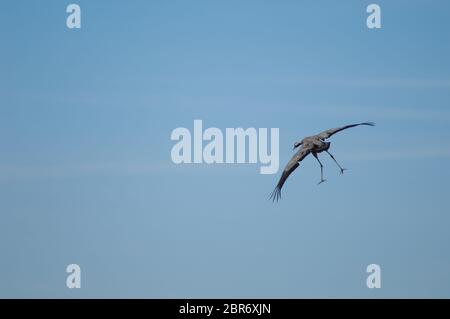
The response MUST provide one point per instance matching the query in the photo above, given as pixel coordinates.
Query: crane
(311, 145)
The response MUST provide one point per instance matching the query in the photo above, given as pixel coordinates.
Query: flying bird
(311, 145)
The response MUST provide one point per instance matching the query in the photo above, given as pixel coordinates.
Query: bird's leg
(342, 169)
(321, 169)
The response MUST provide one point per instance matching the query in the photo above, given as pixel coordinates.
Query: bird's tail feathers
(276, 194)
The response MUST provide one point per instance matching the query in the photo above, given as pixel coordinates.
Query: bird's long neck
(297, 144)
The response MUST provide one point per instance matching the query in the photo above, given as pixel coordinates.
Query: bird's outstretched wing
(328, 133)
(290, 167)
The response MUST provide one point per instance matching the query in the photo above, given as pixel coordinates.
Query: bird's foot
(323, 180)
(342, 170)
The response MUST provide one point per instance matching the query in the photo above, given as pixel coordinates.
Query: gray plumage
(311, 145)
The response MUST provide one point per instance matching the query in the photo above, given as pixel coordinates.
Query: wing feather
(289, 168)
(328, 133)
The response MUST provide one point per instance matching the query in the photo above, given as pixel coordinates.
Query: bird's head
(297, 144)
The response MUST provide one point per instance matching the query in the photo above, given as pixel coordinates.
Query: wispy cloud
(10, 172)
(74, 170)
(67, 170)
(308, 80)
(384, 112)
(375, 82)
(326, 81)
(397, 154)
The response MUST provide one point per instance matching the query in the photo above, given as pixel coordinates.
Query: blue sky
(86, 175)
